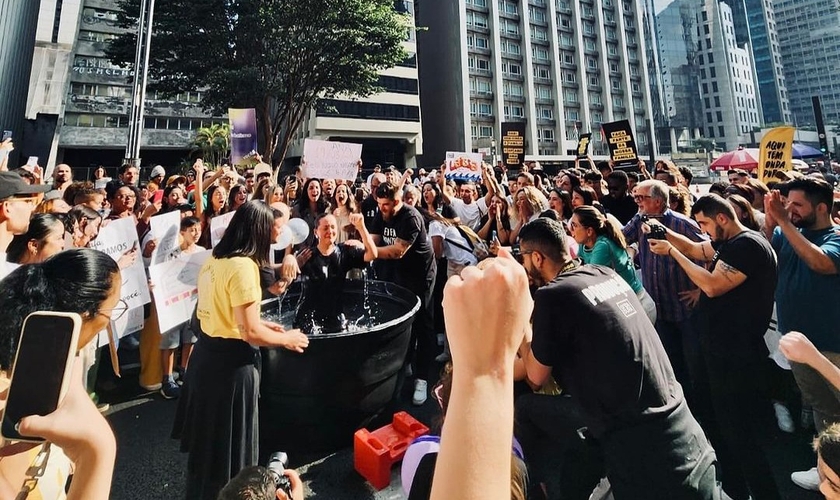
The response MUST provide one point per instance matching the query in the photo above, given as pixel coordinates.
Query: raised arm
(442, 181)
(814, 257)
(198, 196)
(474, 458)
(371, 250)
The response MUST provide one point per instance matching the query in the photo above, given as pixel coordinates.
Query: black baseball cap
(11, 184)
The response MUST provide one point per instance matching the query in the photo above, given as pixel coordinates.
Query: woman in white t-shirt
(449, 243)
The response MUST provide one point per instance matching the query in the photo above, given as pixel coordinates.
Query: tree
(277, 56)
(213, 141)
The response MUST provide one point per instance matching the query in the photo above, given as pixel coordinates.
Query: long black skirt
(217, 419)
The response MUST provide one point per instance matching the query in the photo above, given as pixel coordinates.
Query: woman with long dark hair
(601, 242)
(309, 206)
(433, 202)
(561, 202)
(496, 221)
(345, 205)
(217, 419)
(82, 224)
(86, 282)
(43, 239)
(216, 205)
(237, 197)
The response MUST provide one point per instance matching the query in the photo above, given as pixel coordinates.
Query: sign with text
(513, 144)
(118, 238)
(218, 226)
(775, 154)
(176, 288)
(165, 229)
(331, 160)
(243, 134)
(463, 166)
(583, 145)
(622, 146)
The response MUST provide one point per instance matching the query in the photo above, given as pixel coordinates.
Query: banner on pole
(243, 134)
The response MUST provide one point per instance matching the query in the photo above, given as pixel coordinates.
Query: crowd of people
(622, 323)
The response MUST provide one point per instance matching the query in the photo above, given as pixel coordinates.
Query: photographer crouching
(265, 483)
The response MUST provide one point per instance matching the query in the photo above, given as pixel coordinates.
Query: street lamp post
(138, 88)
(493, 149)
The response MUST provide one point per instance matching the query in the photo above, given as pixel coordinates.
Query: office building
(387, 124)
(809, 38)
(18, 21)
(727, 80)
(561, 67)
(705, 81)
(754, 22)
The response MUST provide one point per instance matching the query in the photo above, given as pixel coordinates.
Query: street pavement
(149, 465)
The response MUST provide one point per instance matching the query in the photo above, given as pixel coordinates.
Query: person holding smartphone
(82, 281)
(217, 420)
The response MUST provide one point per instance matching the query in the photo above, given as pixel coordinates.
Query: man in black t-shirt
(591, 333)
(618, 201)
(734, 310)
(407, 259)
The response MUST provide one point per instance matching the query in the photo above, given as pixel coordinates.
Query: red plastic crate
(374, 453)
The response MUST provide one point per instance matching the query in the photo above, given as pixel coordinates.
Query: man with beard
(406, 258)
(737, 412)
(591, 333)
(808, 290)
(62, 177)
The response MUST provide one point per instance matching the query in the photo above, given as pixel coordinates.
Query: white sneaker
(420, 392)
(809, 479)
(783, 418)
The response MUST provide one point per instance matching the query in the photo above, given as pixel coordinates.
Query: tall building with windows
(809, 38)
(18, 21)
(387, 124)
(561, 67)
(705, 82)
(727, 78)
(754, 22)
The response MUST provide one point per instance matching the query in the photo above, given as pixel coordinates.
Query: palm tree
(213, 141)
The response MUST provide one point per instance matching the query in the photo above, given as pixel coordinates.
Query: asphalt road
(149, 465)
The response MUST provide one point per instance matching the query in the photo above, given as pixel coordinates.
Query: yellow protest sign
(775, 154)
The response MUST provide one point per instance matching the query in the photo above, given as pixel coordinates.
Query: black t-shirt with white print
(417, 267)
(591, 329)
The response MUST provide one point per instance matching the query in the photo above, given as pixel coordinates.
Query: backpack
(476, 245)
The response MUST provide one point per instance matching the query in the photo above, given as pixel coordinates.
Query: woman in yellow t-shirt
(217, 419)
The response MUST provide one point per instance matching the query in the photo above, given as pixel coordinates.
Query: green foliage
(278, 56)
(214, 142)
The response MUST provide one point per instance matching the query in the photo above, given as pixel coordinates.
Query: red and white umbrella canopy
(745, 158)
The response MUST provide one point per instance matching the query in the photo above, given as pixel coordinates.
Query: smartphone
(494, 236)
(42, 369)
(158, 196)
(7, 134)
(32, 161)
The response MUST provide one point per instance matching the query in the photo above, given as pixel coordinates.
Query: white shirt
(471, 214)
(6, 267)
(451, 235)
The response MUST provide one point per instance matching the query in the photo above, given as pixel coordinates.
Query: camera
(657, 232)
(277, 462)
